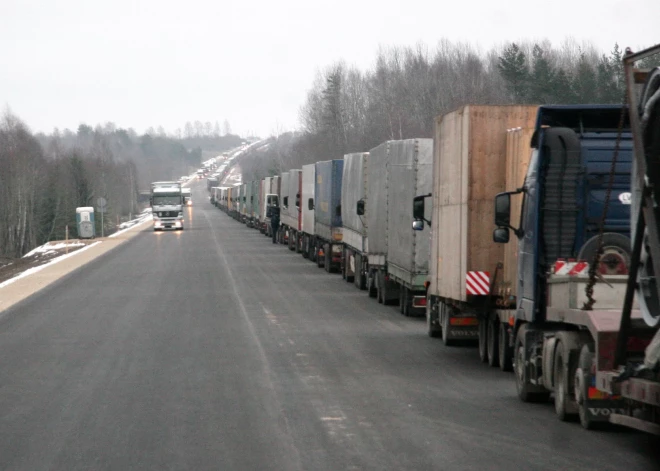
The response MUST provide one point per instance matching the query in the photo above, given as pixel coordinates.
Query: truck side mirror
(310, 204)
(285, 202)
(360, 208)
(418, 225)
(297, 200)
(501, 235)
(503, 210)
(338, 210)
(418, 207)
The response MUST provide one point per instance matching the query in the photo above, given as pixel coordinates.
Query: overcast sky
(64, 62)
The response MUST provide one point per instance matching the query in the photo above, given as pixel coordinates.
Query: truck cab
(167, 205)
(565, 195)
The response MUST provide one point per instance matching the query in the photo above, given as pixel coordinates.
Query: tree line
(45, 177)
(352, 110)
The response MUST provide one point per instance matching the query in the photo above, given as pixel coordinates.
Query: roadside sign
(101, 202)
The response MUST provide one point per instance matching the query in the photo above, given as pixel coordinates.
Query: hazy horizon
(162, 63)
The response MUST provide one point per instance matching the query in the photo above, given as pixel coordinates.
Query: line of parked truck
(570, 303)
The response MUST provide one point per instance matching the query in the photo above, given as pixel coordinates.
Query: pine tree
(584, 81)
(607, 86)
(541, 78)
(616, 61)
(562, 89)
(513, 67)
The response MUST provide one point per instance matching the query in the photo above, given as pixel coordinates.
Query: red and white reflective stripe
(571, 268)
(477, 283)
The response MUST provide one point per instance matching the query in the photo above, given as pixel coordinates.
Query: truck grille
(168, 214)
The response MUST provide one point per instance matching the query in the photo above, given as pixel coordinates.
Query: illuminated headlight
(177, 223)
(189, 203)
(157, 223)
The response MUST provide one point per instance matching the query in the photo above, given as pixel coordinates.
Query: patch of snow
(141, 219)
(48, 248)
(32, 270)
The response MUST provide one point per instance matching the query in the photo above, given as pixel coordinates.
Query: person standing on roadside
(274, 222)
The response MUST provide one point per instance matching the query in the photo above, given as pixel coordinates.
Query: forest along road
(212, 348)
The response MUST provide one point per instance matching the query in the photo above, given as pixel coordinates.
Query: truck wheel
(304, 248)
(526, 391)
(343, 266)
(327, 264)
(358, 276)
(386, 300)
(379, 287)
(292, 241)
(493, 347)
(407, 302)
(504, 349)
(581, 383)
(401, 296)
(432, 324)
(483, 339)
(446, 326)
(563, 387)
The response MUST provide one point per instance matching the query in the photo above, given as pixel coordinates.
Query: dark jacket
(274, 216)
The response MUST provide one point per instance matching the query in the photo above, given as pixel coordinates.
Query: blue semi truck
(327, 214)
(538, 299)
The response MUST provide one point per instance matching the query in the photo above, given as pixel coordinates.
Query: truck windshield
(163, 200)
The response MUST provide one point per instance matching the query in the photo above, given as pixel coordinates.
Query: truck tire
(379, 287)
(360, 282)
(493, 337)
(305, 247)
(483, 339)
(432, 323)
(582, 381)
(343, 265)
(504, 349)
(527, 392)
(445, 316)
(401, 296)
(292, 241)
(407, 302)
(386, 300)
(327, 252)
(564, 405)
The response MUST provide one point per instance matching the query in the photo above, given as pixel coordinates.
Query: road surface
(213, 348)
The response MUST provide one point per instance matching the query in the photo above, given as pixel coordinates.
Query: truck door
(528, 246)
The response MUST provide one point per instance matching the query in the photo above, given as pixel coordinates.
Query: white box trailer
(283, 232)
(291, 215)
(408, 251)
(355, 204)
(307, 206)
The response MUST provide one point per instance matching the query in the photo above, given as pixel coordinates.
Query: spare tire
(647, 291)
(615, 259)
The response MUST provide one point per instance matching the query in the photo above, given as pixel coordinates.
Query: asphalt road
(213, 348)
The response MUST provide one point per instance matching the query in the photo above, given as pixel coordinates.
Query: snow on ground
(52, 248)
(32, 270)
(125, 226)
